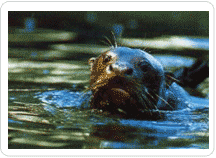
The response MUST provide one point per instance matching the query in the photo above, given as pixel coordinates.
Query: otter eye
(144, 68)
(143, 65)
(107, 58)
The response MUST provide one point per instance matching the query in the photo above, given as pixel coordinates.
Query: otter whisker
(150, 95)
(147, 101)
(152, 103)
(164, 101)
(154, 107)
(174, 79)
(142, 98)
(109, 41)
(153, 98)
(114, 39)
(108, 44)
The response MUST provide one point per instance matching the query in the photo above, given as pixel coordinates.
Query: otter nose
(121, 68)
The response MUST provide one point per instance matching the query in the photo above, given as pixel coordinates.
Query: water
(48, 109)
(57, 116)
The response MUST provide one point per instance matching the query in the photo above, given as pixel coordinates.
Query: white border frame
(99, 6)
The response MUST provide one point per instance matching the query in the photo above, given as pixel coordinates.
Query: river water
(43, 115)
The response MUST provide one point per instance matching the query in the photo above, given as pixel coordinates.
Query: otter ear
(91, 61)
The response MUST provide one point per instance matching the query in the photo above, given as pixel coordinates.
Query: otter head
(125, 80)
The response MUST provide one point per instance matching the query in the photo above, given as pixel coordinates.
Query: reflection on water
(169, 43)
(55, 116)
(48, 72)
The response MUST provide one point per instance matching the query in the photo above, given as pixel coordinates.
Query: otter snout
(120, 68)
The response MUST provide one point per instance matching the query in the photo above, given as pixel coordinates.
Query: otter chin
(125, 81)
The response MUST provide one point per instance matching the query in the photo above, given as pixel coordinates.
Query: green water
(44, 112)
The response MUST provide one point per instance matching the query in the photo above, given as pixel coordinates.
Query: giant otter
(128, 81)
